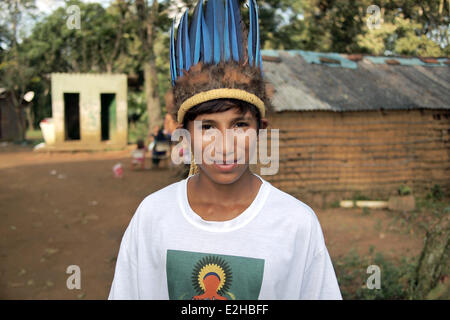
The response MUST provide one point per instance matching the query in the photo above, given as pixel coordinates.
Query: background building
(89, 111)
(358, 124)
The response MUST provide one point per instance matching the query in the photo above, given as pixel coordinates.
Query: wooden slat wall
(327, 156)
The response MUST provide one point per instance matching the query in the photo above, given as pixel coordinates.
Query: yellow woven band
(225, 93)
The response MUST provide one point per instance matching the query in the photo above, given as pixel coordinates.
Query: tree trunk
(150, 72)
(21, 124)
(433, 265)
(152, 96)
(29, 113)
(20, 119)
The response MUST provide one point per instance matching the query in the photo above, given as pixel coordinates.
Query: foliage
(100, 45)
(398, 37)
(422, 277)
(136, 103)
(351, 271)
(138, 131)
(359, 196)
(435, 193)
(407, 27)
(404, 190)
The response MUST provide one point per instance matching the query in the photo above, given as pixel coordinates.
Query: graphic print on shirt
(211, 278)
(204, 276)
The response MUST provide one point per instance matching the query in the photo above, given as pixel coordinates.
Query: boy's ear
(264, 123)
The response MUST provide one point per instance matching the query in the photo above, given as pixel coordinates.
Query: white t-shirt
(273, 250)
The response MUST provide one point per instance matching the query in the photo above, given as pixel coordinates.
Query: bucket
(48, 130)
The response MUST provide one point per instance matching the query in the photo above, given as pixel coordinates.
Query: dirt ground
(63, 209)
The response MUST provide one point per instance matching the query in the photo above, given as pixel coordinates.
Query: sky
(47, 6)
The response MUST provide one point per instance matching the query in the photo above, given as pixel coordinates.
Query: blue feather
(220, 12)
(186, 43)
(173, 67)
(180, 59)
(238, 19)
(214, 36)
(251, 36)
(215, 21)
(258, 48)
(206, 42)
(195, 34)
(260, 64)
(234, 31)
(226, 35)
(211, 21)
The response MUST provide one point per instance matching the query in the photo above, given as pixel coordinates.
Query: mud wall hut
(359, 125)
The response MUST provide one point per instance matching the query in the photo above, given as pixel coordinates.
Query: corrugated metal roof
(303, 82)
(314, 57)
(407, 61)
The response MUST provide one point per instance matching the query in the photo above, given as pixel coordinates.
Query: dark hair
(222, 105)
(140, 144)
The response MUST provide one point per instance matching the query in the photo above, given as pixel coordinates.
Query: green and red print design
(203, 276)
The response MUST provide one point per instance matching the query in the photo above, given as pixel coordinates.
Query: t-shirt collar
(222, 226)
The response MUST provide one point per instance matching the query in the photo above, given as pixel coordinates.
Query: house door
(72, 116)
(108, 115)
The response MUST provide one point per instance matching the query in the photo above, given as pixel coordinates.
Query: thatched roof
(306, 81)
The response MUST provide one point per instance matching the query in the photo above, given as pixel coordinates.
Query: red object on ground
(118, 170)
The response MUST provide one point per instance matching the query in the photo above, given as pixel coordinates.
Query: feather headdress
(215, 52)
(216, 57)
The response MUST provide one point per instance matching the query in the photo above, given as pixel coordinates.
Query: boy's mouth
(226, 167)
(226, 161)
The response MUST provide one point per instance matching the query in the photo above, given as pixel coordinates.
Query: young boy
(223, 233)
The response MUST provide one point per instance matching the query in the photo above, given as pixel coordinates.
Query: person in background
(160, 145)
(138, 155)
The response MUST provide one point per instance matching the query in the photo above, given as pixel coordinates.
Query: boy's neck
(243, 191)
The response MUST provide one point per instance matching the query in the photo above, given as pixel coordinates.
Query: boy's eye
(241, 124)
(206, 126)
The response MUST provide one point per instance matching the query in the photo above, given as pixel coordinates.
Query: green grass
(396, 278)
(32, 137)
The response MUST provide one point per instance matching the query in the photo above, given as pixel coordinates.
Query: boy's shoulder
(289, 205)
(167, 193)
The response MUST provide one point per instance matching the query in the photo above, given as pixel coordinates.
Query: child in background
(160, 146)
(138, 155)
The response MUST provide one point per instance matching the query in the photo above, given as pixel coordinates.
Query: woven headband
(220, 94)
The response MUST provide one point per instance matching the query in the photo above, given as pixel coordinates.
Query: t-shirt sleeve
(319, 281)
(125, 282)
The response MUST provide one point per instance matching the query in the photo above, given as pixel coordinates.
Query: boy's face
(224, 161)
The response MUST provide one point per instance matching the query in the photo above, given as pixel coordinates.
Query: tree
(405, 30)
(148, 15)
(152, 20)
(15, 70)
(104, 43)
(411, 27)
